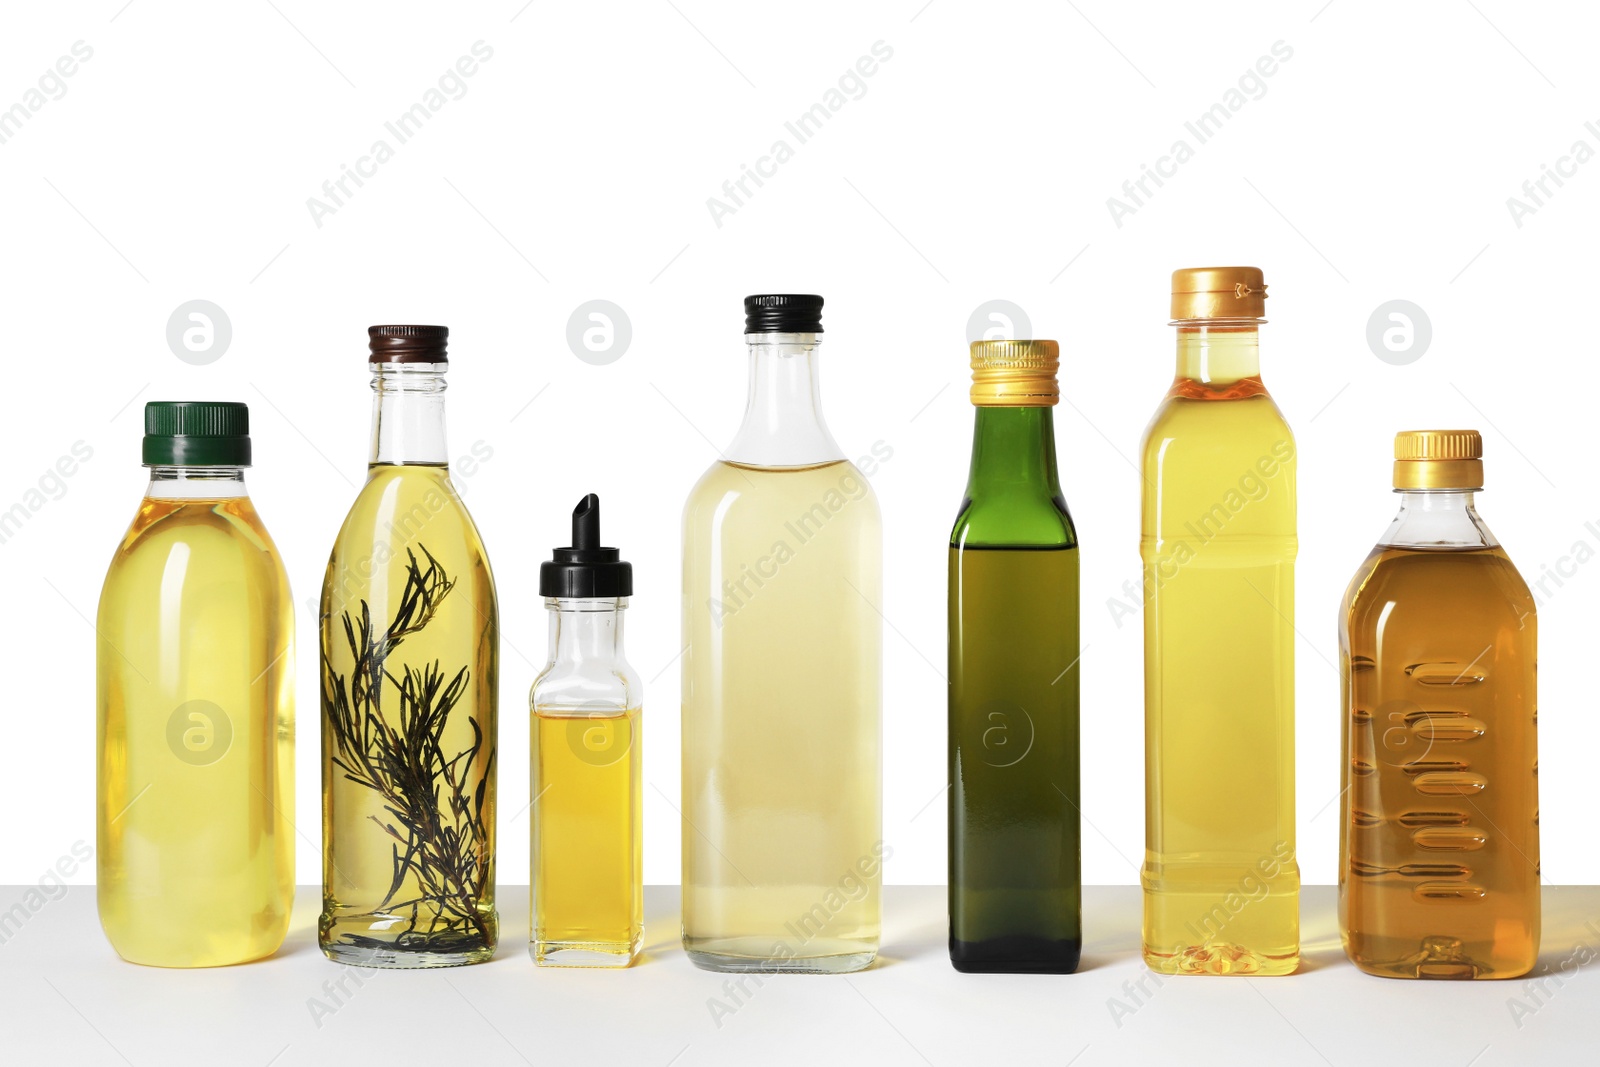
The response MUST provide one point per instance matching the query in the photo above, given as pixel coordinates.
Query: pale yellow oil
(392, 898)
(782, 849)
(588, 858)
(1221, 884)
(196, 735)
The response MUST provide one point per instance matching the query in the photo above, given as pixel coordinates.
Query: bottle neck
(783, 424)
(585, 629)
(1219, 353)
(1013, 451)
(1438, 518)
(196, 483)
(408, 414)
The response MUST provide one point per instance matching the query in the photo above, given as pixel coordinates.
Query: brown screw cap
(408, 344)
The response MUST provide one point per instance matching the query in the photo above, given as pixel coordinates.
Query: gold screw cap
(1218, 293)
(1438, 459)
(1015, 374)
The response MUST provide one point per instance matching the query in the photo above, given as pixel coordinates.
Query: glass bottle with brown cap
(1221, 885)
(1439, 826)
(1015, 845)
(410, 639)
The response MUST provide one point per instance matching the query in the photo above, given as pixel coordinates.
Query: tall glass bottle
(587, 849)
(1439, 827)
(196, 708)
(782, 577)
(410, 640)
(1221, 884)
(1015, 846)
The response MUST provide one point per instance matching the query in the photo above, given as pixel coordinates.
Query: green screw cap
(196, 433)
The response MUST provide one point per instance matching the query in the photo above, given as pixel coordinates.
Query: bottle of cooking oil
(588, 883)
(410, 640)
(1221, 884)
(196, 708)
(1015, 848)
(1439, 831)
(782, 795)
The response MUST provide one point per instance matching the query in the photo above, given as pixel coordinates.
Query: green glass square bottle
(1015, 833)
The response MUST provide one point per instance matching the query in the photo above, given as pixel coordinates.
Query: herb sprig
(434, 806)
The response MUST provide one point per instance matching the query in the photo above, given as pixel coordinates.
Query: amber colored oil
(196, 667)
(1221, 882)
(587, 848)
(1440, 831)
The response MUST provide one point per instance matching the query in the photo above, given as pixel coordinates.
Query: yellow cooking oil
(1221, 884)
(587, 848)
(409, 651)
(196, 732)
(782, 847)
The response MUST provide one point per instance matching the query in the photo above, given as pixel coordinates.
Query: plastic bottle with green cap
(195, 735)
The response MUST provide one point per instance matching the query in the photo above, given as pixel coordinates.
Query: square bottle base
(584, 953)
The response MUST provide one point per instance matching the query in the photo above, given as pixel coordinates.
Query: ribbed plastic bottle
(1439, 831)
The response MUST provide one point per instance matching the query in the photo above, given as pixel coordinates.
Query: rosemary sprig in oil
(434, 803)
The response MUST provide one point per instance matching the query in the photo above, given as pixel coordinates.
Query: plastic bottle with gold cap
(1013, 657)
(1439, 817)
(1221, 884)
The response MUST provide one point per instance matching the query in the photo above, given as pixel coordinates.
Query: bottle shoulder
(586, 687)
(216, 525)
(408, 525)
(999, 518)
(413, 506)
(735, 492)
(1178, 417)
(1471, 583)
(216, 542)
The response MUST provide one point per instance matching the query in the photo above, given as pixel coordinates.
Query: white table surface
(65, 997)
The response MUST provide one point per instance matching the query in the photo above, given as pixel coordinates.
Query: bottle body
(781, 737)
(1221, 884)
(1439, 847)
(409, 674)
(196, 730)
(1014, 829)
(587, 833)
(781, 734)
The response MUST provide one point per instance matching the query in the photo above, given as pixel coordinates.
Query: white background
(977, 165)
